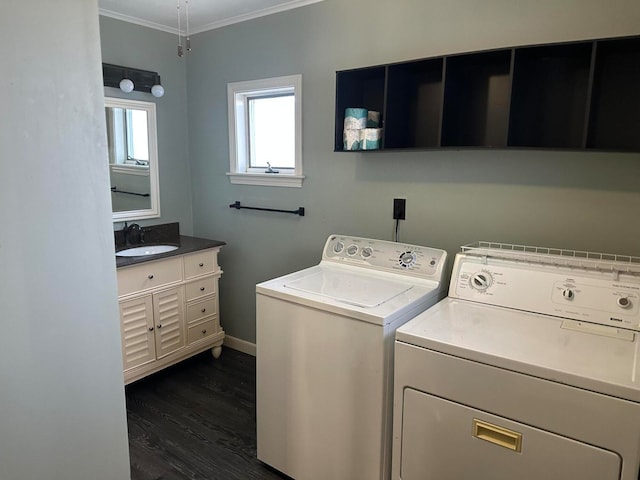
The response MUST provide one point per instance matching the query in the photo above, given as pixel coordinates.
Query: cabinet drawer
(201, 309)
(149, 275)
(200, 263)
(202, 330)
(201, 287)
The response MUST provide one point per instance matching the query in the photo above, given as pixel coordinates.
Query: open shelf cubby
(414, 105)
(362, 88)
(476, 103)
(549, 101)
(615, 103)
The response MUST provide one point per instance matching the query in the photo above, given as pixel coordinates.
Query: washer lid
(361, 293)
(351, 288)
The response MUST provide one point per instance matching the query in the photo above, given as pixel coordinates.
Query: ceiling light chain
(181, 50)
(186, 2)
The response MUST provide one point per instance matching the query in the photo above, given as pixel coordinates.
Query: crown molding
(213, 25)
(251, 15)
(137, 21)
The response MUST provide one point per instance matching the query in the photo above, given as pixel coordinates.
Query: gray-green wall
(62, 404)
(574, 200)
(131, 45)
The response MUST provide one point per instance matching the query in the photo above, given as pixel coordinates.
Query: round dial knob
(407, 259)
(352, 250)
(338, 247)
(568, 293)
(366, 252)
(624, 302)
(481, 281)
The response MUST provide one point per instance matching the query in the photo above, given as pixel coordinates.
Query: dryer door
(444, 440)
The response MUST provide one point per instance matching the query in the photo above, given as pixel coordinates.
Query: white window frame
(238, 95)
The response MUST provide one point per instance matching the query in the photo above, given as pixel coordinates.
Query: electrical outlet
(399, 208)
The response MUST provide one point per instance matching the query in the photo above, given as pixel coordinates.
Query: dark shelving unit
(574, 95)
(476, 100)
(414, 105)
(549, 103)
(615, 107)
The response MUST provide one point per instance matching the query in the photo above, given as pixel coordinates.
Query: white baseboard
(240, 345)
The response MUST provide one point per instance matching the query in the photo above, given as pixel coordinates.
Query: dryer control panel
(602, 296)
(395, 257)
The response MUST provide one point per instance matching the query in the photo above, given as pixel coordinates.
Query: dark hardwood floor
(196, 420)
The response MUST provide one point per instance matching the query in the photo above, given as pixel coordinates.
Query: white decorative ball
(157, 91)
(126, 85)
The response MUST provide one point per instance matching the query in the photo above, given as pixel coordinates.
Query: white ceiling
(203, 14)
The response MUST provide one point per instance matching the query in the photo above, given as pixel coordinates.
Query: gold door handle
(497, 435)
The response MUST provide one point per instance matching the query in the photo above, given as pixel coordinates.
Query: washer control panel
(384, 255)
(589, 295)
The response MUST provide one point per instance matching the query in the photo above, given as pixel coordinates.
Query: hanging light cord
(180, 50)
(186, 3)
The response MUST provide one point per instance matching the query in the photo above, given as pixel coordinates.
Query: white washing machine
(530, 369)
(325, 338)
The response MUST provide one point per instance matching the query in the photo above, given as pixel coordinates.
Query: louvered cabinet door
(138, 340)
(168, 313)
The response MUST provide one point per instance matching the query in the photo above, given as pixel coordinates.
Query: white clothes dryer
(530, 369)
(324, 356)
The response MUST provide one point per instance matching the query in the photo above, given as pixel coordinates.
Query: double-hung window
(265, 131)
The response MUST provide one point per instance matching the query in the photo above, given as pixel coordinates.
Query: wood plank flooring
(196, 420)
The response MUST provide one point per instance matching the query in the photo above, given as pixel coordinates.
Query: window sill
(266, 179)
(130, 169)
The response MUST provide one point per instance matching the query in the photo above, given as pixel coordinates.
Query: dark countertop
(186, 245)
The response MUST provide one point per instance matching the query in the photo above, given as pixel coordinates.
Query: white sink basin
(145, 250)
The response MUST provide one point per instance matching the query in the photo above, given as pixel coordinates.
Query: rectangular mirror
(133, 159)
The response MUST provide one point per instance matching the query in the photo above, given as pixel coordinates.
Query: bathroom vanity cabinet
(169, 311)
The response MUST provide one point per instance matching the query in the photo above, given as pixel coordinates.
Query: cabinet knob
(202, 264)
(150, 277)
(204, 331)
(151, 329)
(159, 325)
(202, 289)
(203, 310)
